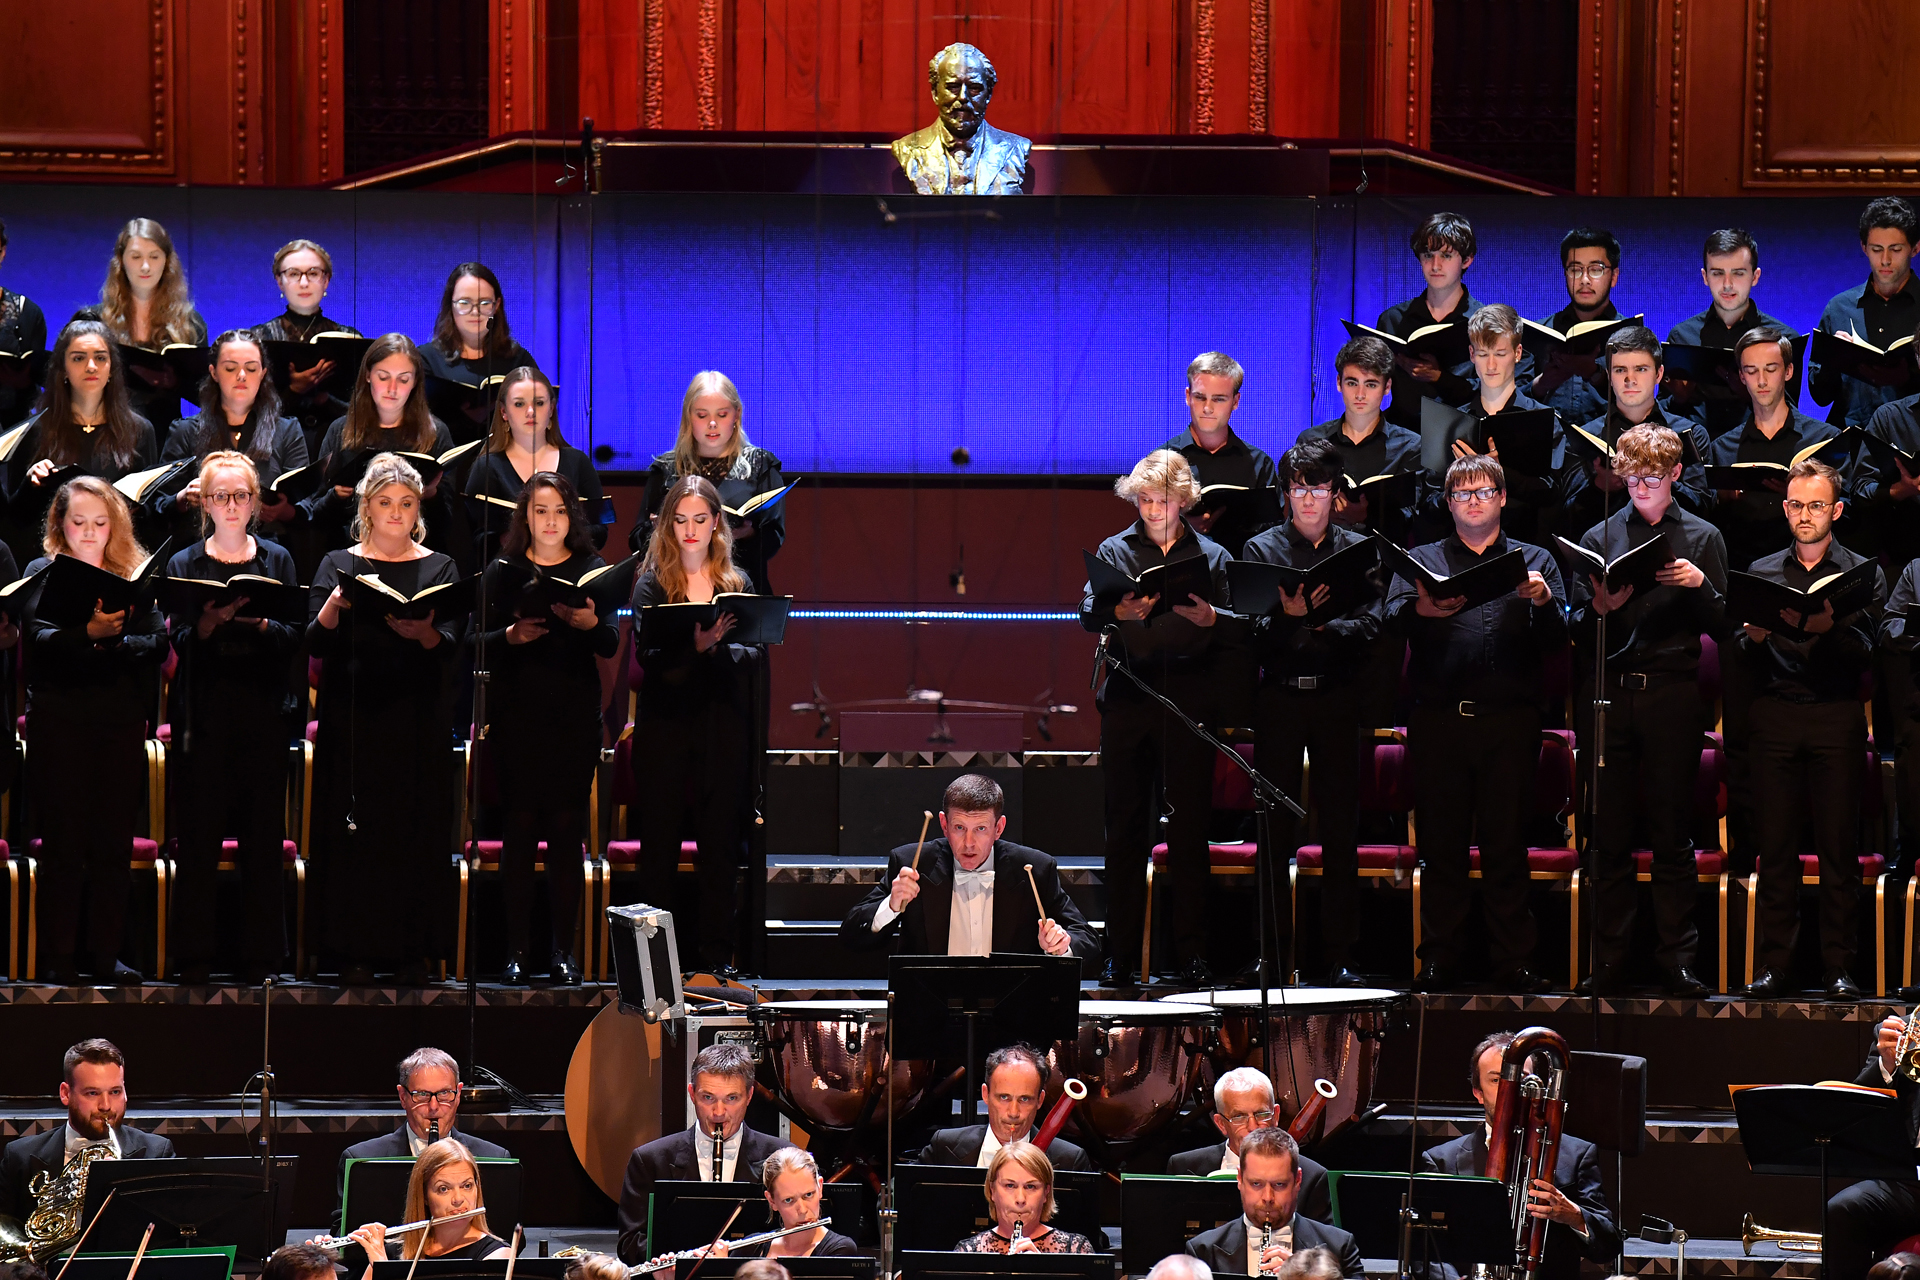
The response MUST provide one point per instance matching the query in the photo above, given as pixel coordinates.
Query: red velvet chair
(622, 851)
(1386, 786)
(1232, 793)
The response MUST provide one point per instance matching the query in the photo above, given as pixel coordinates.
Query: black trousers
(233, 783)
(1473, 777)
(1377, 686)
(698, 761)
(1653, 762)
(525, 822)
(1140, 745)
(87, 787)
(1865, 1221)
(1738, 689)
(1896, 727)
(1798, 750)
(1326, 723)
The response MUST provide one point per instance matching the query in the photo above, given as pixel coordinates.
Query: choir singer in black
(1173, 651)
(229, 702)
(383, 759)
(1808, 736)
(1219, 456)
(544, 711)
(145, 302)
(84, 426)
(1474, 735)
(239, 411)
(525, 440)
(1655, 714)
(90, 692)
(1308, 698)
(969, 895)
(303, 271)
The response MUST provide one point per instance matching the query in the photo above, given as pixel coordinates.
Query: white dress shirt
(990, 1147)
(703, 1154)
(970, 924)
(1281, 1236)
(1230, 1162)
(77, 1142)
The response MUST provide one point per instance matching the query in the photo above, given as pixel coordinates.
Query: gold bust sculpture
(960, 154)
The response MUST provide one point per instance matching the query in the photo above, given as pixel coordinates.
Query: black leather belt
(1646, 681)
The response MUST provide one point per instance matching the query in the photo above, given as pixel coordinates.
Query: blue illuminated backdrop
(1048, 339)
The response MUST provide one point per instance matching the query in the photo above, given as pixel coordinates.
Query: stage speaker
(1064, 796)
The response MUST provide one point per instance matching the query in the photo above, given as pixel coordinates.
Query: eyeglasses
(1643, 482)
(302, 275)
(1461, 497)
(1318, 494)
(467, 306)
(224, 498)
(1587, 271)
(1815, 508)
(445, 1097)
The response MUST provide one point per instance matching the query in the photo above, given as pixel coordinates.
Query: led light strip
(935, 615)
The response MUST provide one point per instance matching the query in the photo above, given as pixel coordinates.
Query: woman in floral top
(1020, 1194)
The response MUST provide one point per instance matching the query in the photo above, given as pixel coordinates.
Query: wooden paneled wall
(1676, 97)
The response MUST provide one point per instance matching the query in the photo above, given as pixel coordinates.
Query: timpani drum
(1141, 1062)
(1318, 1033)
(828, 1060)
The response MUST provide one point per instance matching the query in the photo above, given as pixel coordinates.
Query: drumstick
(1036, 892)
(926, 816)
(139, 1253)
(513, 1254)
(84, 1234)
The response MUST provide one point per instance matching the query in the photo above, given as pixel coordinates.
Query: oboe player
(1270, 1227)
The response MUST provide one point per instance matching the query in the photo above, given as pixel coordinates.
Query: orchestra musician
(1316, 1263)
(240, 412)
(445, 1181)
(1572, 1201)
(1176, 654)
(721, 1089)
(1474, 736)
(1019, 1191)
(145, 302)
(712, 444)
(1868, 1218)
(972, 899)
(93, 1089)
(302, 1262)
(228, 704)
(429, 1092)
(90, 693)
(543, 713)
(383, 763)
(1016, 1084)
(794, 1190)
(526, 439)
(692, 733)
(23, 331)
(302, 271)
(1219, 456)
(1242, 1102)
(1180, 1266)
(1269, 1182)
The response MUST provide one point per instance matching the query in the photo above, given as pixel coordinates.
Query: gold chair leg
(1573, 929)
(1753, 891)
(1725, 892)
(583, 930)
(1146, 936)
(1906, 965)
(460, 944)
(1880, 935)
(606, 901)
(1416, 918)
(299, 917)
(13, 919)
(160, 906)
(33, 920)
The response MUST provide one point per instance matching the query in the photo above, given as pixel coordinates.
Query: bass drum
(1141, 1062)
(828, 1060)
(1319, 1033)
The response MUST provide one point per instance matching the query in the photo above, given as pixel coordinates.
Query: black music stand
(844, 1267)
(159, 1264)
(942, 1204)
(688, 1214)
(1462, 1220)
(1163, 1212)
(376, 1189)
(919, 1265)
(462, 1269)
(1804, 1129)
(193, 1204)
(943, 1004)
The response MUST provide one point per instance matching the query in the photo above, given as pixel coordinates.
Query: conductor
(969, 895)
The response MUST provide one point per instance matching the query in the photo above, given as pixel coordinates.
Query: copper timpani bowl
(828, 1059)
(1140, 1060)
(1318, 1033)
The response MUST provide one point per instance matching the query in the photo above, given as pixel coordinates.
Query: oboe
(341, 1242)
(1266, 1243)
(733, 1246)
(1017, 1225)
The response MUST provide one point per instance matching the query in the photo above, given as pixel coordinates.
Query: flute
(341, 1242)
(745, 1242)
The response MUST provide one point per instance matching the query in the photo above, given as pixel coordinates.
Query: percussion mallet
(84, 1234)
(141, 1252)
(1036, 894)
(926, 817)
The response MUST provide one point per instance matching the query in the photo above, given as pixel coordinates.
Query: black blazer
(388, 1145)
(48, 1151)
(962, 1146)
(1904, 1089)
(1225, 1247)
(921, 929)
(1316, 1196)
(1576, 1172)
(672, 1159)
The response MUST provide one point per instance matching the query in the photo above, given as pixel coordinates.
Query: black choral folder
(1348, 575)
(1484, 582)
(1173, 582)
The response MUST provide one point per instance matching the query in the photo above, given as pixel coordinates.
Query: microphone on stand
(1100, 659)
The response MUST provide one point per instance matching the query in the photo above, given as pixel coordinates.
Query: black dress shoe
(1522, 980)
(112, 973)
(515, 974)
(1840, 987)
(1684, 984)
(1436, 976)
(1605, 981)
(1770, 985)
(562, 971)
(357, 975)
(1196, 973)
(1115, 974)
(413, 974)
(1341, 976)
(59, 972)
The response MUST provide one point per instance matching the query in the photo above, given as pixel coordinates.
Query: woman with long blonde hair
(228, 704)
(693, 726)
(524, 441)
(145, 302)
(383, 778)
(90, 692)
(712, 444)
(445, 1181)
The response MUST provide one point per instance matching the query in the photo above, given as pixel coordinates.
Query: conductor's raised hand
(1053, 939)
(704, 638)
(906, 887)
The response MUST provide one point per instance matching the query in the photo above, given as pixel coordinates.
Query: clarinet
(1266, 1243)
(1017, 1225)
(718, 1154)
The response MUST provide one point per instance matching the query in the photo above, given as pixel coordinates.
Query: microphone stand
(1266, 797)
